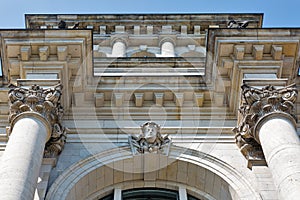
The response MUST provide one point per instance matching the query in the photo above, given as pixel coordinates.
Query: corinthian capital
(44, 103)
(256, 105)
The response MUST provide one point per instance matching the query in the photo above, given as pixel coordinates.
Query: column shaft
(281, 147)
(21, 161)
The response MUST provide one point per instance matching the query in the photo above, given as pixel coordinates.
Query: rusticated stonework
(150, 140)
(45, 102)
(256, 105)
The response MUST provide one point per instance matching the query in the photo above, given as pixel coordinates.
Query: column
(281, 146)
(268, 120)
(34, 126)
(119, 49)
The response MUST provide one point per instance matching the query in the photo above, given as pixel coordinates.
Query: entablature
(46, 55)
(139, 66)
(233, 57)
(140, 24)
(256, 55)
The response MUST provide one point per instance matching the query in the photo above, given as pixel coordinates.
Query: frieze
(46, 103)
(256, 104)
(150, 140)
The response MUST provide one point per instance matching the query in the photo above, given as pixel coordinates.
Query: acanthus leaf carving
(46, 103)
(255, 105)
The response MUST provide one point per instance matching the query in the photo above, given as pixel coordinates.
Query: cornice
(130, 19)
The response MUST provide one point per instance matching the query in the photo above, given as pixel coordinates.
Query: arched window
(149, 194)
(143, 54)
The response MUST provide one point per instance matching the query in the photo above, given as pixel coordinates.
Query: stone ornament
(150, 140)
(237, 24)
(63, 25)
(256, 105)
(46, 103)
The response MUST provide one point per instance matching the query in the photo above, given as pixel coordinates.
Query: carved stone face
(150, 132)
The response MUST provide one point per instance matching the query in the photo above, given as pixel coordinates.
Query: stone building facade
(149, 106)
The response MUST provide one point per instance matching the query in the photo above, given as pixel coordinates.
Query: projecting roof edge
(245, 35)
(126, 19)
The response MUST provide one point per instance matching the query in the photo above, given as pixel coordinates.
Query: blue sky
(277, 13)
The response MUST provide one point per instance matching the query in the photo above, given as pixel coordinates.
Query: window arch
(149, 194)
(231, 184)
(143, 54)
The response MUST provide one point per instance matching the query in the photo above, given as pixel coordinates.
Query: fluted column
(35, 131)
(268, 122)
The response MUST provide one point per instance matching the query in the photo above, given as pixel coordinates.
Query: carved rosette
(45, 103)
(256, 105)
(150, 140)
